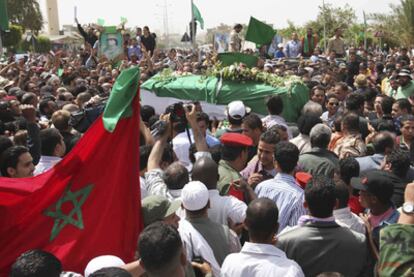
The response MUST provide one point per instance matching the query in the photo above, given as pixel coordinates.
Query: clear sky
(214, 12)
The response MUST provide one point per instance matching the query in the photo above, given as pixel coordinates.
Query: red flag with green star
(88, 204)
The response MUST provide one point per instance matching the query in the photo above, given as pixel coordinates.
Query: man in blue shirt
(293, 48)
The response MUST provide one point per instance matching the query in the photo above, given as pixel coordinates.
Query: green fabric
(259, 32)
(306, 45)
(110, 29)
(197, 16)
(253, 94)
(100, 21)
(120, 99)
(230, 58)
(4, 19)
(405, 92)
(227, 175)
(396, 250)
(124, 20)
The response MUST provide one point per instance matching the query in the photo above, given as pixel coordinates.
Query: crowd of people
(328, 195)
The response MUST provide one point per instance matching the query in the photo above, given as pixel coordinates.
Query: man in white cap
(203, 238)
(100, 262)
(406, 88)
(235, 112)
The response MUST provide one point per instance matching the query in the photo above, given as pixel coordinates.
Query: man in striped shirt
(283, 188)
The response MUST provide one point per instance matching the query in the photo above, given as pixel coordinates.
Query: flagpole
(193, 37)
(365, 31)
(324, 26)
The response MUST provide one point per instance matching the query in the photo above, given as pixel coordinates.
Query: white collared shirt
(224, 207)
(181, 147)
(346, 218)
(46, 163)
(257, 260)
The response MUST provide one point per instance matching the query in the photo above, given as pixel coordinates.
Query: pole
(1, 43)
(324, 26)
(193, 37)
(365, 31)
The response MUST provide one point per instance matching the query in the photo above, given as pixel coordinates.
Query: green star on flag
(62, 219)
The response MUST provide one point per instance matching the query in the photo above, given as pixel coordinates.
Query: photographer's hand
(199, 138)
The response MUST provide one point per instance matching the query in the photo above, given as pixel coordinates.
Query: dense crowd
(328, 195)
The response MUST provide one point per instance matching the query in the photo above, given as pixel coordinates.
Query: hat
(194, 196)
(155, 208)
(4, 83)
(237, 109)
(361, 81)
(100, 262)
(280, 45)
(236, 139)
(377, 182)
(404, 73)
(302, 178)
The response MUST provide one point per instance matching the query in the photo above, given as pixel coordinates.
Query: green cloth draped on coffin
(253, 94)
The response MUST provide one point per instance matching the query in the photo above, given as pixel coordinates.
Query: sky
(214, 12)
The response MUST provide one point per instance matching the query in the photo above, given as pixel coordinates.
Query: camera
(177, 113)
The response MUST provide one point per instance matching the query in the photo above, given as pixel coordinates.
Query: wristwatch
(408, 208)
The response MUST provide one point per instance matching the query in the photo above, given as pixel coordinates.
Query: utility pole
(193, 37)
(324, 26)
(166, 31)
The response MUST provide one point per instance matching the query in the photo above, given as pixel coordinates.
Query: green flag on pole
(259, 32)
(4, 19)
(100, 22)
(197, 16)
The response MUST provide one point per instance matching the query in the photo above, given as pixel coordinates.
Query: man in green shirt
(234, 155)
(406, 88)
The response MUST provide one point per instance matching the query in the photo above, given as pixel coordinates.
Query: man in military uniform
(235, 40)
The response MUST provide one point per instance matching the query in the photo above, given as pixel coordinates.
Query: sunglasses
(333, 104)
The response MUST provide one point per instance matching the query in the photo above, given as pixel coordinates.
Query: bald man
(222, 208)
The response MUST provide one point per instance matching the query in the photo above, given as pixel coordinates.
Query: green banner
(197, 16)
(4, 19)
(259, 32)
(234, 57)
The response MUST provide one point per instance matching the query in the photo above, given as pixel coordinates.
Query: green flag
(120, 99)
(4, 19)
(259, 32)
(124, 20)
(100, 21)
(234, 57)
(197, 16)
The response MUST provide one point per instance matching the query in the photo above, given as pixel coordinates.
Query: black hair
(354, 101)
(231, 153)
(176, 176)
(234, 121)
(215, 152)
(10, 158)
(382, 141)
(342, 193)
(386, 104)
(43, 105)
(253, 122)
(400, 162)
(203, 117)
(274, 105)
(262, 217)
(111, 272)
(144, 152)
(28, 97)
(147, 112)
(320, 139)
(36, 263)
(159, 245)
(351, 122)
(404, 104)
(306, 123)
(348, 168)
(287, 156)
(5, 143)
(320, 196)
(270, 137)
(49, 138)
(406, 118)
(369, 94)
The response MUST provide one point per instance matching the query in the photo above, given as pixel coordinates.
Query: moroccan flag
(197, 16)
(87, 204)
(259, 32)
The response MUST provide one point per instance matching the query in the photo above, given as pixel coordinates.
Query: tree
(397, 26)
(334, 17)
(43, 44)
(25, 13)
(13, 37)
(290, 29)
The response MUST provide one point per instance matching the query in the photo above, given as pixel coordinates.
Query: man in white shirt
(52, 149)
(260, 257)
(222, 208)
